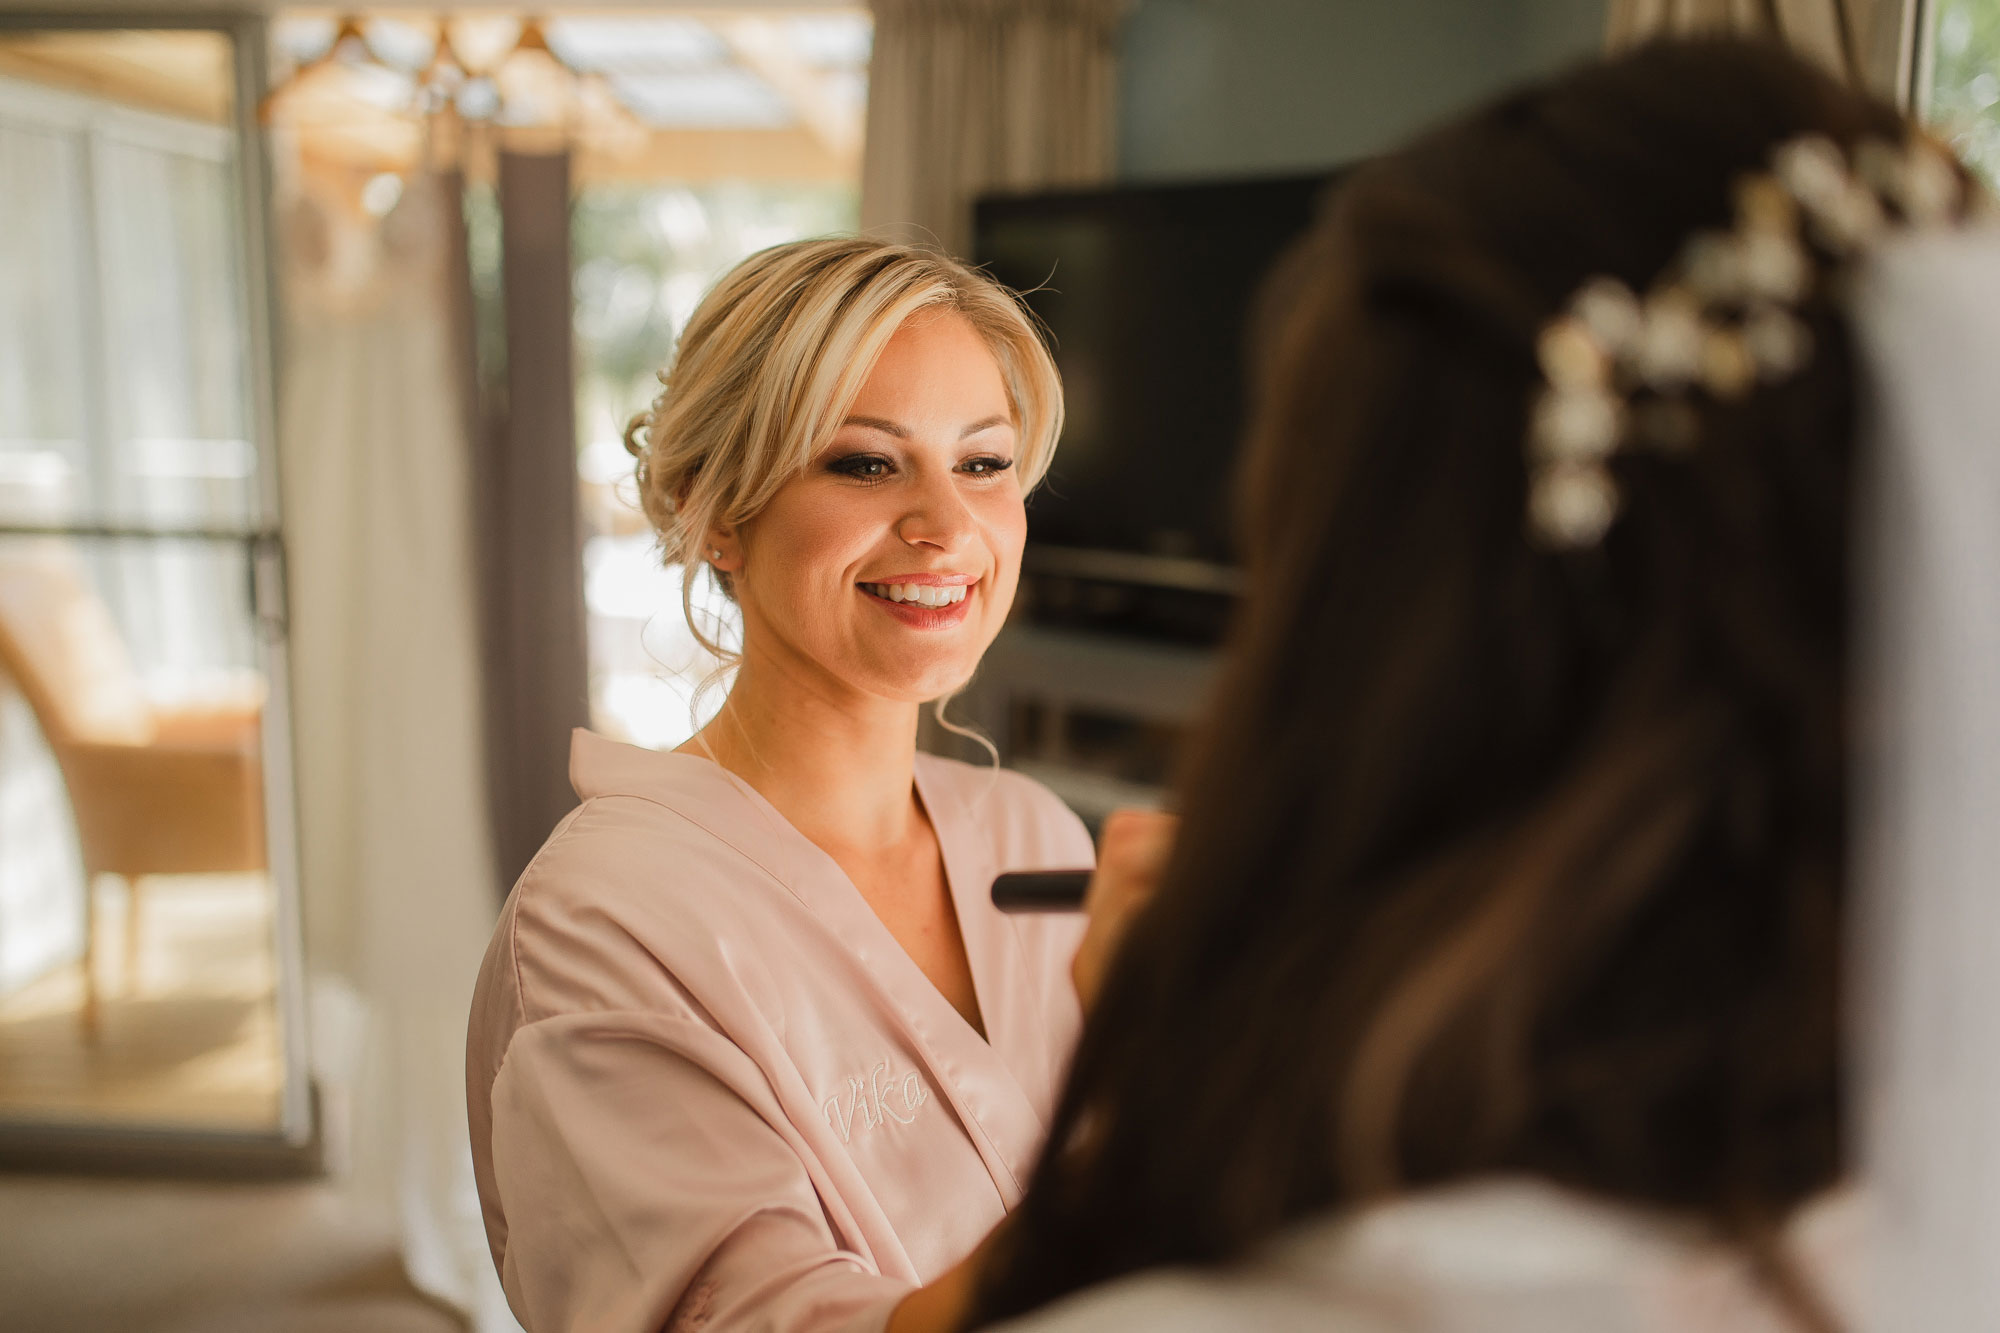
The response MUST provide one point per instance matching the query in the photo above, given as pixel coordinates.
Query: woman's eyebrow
(878, 423)
(888, 427)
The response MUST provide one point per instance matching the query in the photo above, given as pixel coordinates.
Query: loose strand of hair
(965, 731)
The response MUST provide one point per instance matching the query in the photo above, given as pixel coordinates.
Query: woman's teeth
(921, 593)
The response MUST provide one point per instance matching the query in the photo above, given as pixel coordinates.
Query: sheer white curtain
(966, 96)
(395, 842)
(121, 401)
(1868, 42)
(42, 460)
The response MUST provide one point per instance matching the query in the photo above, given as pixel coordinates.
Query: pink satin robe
(707, 1088)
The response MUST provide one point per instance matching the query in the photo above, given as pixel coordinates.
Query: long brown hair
(1495, 859)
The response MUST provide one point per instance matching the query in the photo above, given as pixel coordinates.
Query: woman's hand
(1132, 852)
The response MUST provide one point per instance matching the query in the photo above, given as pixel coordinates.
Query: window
(1964, 81)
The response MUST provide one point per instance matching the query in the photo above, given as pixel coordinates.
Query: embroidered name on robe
(871, 1102)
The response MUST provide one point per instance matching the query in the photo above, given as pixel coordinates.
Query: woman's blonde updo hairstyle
(773, 357)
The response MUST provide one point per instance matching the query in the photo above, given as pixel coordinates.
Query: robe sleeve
(644, 1191)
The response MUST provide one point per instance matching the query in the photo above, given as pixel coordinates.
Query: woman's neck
(836, 764)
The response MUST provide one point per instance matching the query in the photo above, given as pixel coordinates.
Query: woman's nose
(938, 517)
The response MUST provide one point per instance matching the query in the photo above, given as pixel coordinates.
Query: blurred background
(318, 334)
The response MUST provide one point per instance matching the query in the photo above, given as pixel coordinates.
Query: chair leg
(91, 1028)
(131, 975)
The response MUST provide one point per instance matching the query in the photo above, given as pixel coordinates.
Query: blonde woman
(751, 1048)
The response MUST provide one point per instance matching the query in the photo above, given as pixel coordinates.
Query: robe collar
(976, 1075)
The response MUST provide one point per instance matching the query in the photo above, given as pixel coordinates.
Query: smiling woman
(819, 318)
(751, 1047)
(911, 517)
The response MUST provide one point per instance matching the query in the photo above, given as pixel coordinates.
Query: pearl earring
(715, 553)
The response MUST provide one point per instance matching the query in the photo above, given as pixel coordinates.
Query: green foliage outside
(645, 254)
(1965, 80)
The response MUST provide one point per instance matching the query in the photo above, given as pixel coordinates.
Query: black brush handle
(1040, 890)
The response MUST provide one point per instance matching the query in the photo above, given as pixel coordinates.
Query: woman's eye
(986, 466)
(865, 467)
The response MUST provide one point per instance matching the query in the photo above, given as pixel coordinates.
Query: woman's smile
(924, 601)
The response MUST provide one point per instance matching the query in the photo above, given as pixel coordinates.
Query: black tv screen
(1147, 292)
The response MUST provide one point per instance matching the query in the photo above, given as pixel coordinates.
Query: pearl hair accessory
(1720, 320)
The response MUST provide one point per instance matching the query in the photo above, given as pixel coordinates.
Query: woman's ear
(722, 548)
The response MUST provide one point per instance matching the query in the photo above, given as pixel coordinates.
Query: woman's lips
(918, 616)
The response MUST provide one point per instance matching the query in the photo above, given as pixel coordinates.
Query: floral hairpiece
(1721, 319)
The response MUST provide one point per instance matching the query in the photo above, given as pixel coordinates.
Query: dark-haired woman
(1496, 982)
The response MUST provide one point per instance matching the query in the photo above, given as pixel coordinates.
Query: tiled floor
(110, 1256)
(188, 1036)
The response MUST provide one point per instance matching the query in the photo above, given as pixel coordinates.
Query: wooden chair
(154, 790)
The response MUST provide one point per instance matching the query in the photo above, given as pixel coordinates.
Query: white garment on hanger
(398, 887)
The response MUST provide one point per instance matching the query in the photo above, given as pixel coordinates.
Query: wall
(1237, 87)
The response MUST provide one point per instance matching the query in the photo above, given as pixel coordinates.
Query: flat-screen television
(1147, 292)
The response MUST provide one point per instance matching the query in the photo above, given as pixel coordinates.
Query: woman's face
(889, 565)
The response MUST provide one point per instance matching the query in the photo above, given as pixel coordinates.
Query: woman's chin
(916, 683)
(916, 668)
(924, 690)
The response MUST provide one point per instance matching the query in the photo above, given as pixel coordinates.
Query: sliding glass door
(149, 955)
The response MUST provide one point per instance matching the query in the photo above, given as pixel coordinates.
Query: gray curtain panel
(537, 673)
